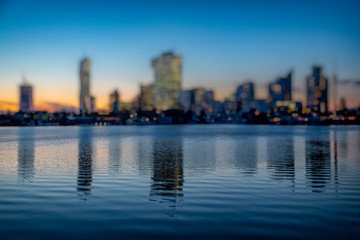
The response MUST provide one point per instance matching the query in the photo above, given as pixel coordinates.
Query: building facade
(245, 92)
(85, 98)
(317, 91)
(146, 98)
(186, 99)
(26, 98)
(114, 104)
(167, 83)
(280, 90)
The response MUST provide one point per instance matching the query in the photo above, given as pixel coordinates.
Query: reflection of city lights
(322, 107)
(276, 119)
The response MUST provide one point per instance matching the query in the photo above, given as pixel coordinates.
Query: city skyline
(87, 101)
(222, 46)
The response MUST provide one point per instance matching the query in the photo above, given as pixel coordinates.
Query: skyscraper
(317, 88)
(245, 92)
(209, 96)
(146, 98)
(186, 99)
(26, 98)
(92, 104)
(85, 98)
(280, 90)
(114, 102)
(167, 84)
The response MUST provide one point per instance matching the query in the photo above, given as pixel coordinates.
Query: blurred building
(199, 96)
(209, 96)
(85, 98)
(280, 90)
(167, 84)
(317, 91)
(196, 100)
(114, 102)
(260, 105)
(185, 99)
(343, 104)
(287, 106)
(245, 92)
(92, 104)
(146, 98)
(26, 98)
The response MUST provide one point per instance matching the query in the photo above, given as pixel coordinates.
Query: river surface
(180, 182)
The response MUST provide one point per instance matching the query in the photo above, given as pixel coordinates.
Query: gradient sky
(223, 43)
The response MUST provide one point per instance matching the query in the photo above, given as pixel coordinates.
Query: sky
(222, 44)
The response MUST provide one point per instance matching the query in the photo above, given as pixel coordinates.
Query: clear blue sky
(223, 43)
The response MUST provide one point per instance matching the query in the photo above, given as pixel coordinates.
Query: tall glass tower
(317, 91)
(85, 98)
(26, 98)
(167, 84)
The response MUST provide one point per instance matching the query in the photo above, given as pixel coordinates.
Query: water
(178, 182)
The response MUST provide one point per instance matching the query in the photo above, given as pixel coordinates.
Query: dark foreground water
(180, 182)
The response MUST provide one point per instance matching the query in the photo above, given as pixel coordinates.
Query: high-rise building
(186, 99)
(280, 90)
(146, 98)
(196, 99)
(114, 102)
(92, 104)
(167, 84)
(199, 96)
(209, 96)
(343, 104)
(26, 98)
(85, 98)
(245, 92)
(317, 91)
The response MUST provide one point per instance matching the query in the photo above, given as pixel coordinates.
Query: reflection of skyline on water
(199, 154)
(85, 162)
(167, 158)
(115, 147)
(26, 154)
(168, 174)
(246, 156)
(318, 162)
(145, 151)
(281, 159)
(162, 179)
